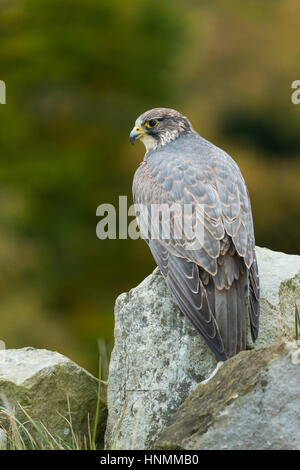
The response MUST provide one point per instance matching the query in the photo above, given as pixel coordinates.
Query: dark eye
(152, 123)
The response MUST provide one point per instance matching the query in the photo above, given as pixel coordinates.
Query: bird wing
(207, 271)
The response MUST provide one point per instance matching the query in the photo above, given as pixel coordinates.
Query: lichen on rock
(252, 403)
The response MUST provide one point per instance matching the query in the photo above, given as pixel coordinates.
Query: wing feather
(210, 270)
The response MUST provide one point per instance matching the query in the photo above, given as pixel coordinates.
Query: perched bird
(213, 277)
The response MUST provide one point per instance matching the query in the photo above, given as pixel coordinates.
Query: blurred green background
(78, 73)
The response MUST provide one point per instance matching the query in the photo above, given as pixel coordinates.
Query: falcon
(211, 271)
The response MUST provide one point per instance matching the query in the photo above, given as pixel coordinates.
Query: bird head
(159, 126)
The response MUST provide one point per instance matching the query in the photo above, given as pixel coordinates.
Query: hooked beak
(135, 134)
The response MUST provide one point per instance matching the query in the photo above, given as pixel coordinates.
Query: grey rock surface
(252, 403)
(158, 357)
(280, 290)
(43, 382)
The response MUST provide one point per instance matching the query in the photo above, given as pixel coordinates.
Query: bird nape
(193, 210)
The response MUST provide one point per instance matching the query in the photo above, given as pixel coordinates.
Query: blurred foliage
(78, 74)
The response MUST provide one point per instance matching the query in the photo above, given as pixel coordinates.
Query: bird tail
(230, 306)
(228, 299)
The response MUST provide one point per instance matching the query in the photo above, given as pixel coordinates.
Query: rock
(252, 403)
(42, 383)
(159, 358)
(280, 290)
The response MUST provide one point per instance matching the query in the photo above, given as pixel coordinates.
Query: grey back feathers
(215, 285)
